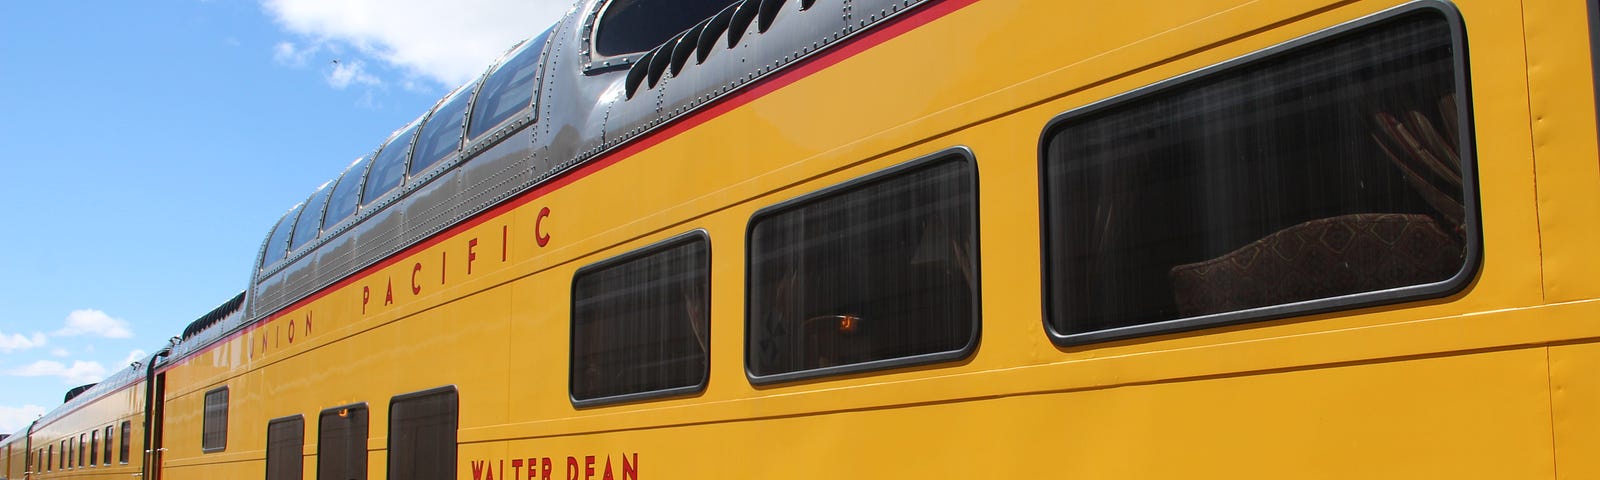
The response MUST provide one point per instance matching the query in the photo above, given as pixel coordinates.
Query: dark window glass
(346, 194)
(286, 442)
(50, 459)
(125, 443)
(639, 322)
(215, 423)
(307, 227)
(390, 166)
(1331, 169)
(83, 449)
(509, 89)
(875, 273)
(278, 242)
(66, 454)
(342, 443)
(441, 136)
(628, 26)
(94, 448)
(107, 458)
(422, 435)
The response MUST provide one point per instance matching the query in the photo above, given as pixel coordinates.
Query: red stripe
(850, 47)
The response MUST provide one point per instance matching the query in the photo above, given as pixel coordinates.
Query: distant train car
(13, 455)
(923, 239)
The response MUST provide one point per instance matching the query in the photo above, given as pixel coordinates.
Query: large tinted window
(308, 225)
(509, 89)
(106, 460)
(640, 322)
(390, 167)
(214, 436)
(628, 26)
(346, 194)
(1333, 168)
(422, 435)
(342, 442)
(441, 136)
(286, 442)
(875, 273)
(278, 242)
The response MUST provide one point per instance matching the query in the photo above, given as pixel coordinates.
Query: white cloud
(351, 72)
(80, 372)
(94, 322)
(60, 352)
(13, 342)
(290, 55)
(14, 419)
(449, 42)
(134, 356)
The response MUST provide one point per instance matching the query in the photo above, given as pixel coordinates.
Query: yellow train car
(938, 238)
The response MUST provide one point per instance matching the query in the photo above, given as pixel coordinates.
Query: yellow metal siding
(1458, 387)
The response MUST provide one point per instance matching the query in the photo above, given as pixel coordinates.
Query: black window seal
(595, 63)
(365, 435)
(389, 441)
(302, 450)
(958, 153)
(203, 448)
(687, 390)
(1472, 249)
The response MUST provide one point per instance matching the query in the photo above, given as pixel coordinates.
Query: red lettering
(538, 227)
(388, 296)
(264, 343)
(505, 239)
(544, 468)
(572, 468)
(488, 474)
(442, 268)
(477, 470)
(608, 475)
(588, 467)
(366, 294)
(471, 255)
(308, 322)
(516, 468)
(416, 268)
(502, 469)
(291, 330)
(630, 471)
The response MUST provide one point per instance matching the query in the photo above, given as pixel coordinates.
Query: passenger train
(669, 239)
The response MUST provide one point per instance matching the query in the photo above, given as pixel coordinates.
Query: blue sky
(149, 146)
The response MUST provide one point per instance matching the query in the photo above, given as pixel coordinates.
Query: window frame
(959, 154)
(205, 421)
(366, 435)
(1472, 237)
(125, 435)
(455, 454)
(106, 461)
(686, 238)
(477, 129)
(299, 452)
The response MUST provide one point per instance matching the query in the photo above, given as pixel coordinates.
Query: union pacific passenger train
(925, 239)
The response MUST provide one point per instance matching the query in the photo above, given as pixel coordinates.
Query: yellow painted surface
(1467, 386)
(1561, 97)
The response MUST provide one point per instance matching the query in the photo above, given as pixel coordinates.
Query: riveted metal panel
(583, 111)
